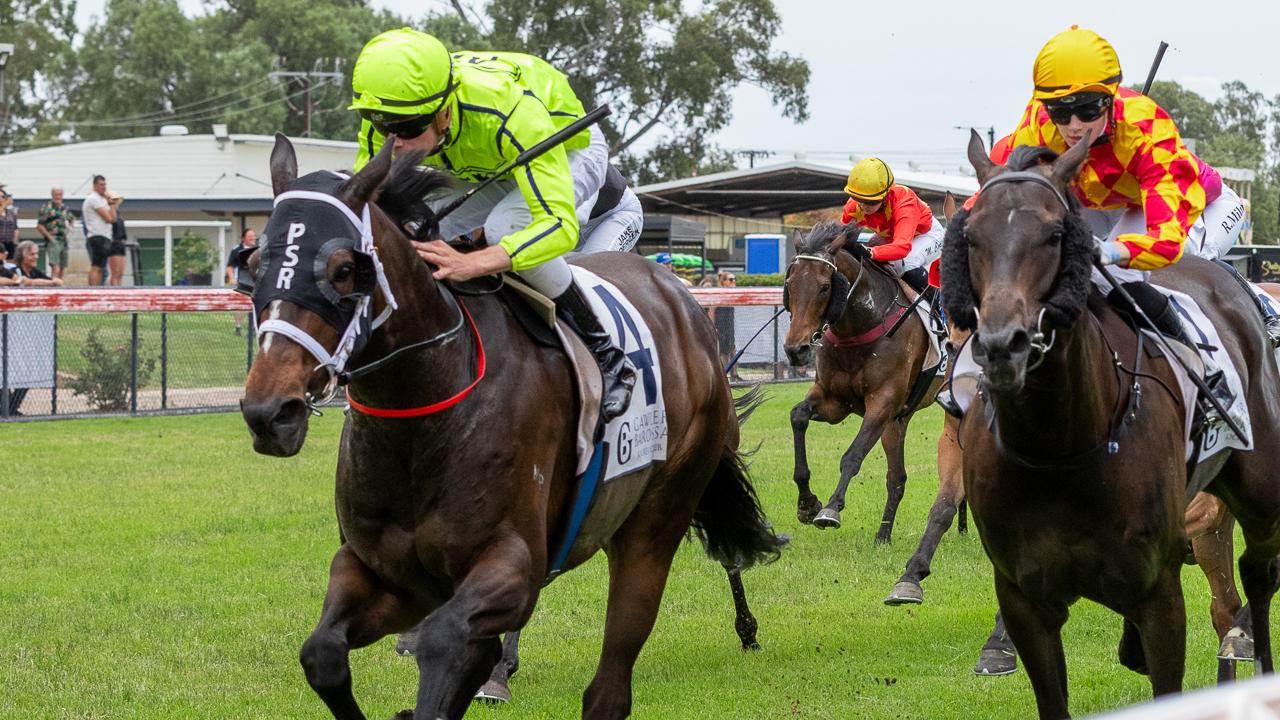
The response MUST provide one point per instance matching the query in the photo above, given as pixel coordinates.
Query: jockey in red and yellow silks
(908, 236)
(1140, 163)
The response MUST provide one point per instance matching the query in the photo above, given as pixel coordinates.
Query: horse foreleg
(894, 442)
(358, 610)
(458, 644)
(807, 504)
(949, 499)
(744, 622)
(1258, 575)
(497, 688)
(1161, 622)
(1036, 628)
(873, 426)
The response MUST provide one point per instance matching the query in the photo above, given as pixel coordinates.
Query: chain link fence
(75, 364)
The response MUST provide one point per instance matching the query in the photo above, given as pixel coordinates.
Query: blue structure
(766, 253)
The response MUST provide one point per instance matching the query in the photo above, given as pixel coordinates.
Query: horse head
(1016, 266)
(818, 284)
(319, 286)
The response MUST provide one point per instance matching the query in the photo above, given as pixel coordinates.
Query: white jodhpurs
(925, 248)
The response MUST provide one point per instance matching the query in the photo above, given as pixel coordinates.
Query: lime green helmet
(402, 72)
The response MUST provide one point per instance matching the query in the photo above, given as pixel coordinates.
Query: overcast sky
(894, 77)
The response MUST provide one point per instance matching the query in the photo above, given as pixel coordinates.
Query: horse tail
(729, 520)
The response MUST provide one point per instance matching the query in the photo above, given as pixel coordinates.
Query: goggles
(1087, 110)
(402, 126)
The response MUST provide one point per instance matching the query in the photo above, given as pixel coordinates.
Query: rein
(880, 330)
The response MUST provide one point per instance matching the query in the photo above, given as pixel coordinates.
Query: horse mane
(1070, 290)
(404, 195)
(821, 235)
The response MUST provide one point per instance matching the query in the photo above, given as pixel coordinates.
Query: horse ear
(840, 239)
(363, 186)
(797, 240)
(1067, 166)
(979, 158)
(948, 206)
(284, 165)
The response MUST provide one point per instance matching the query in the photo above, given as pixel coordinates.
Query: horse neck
(422, 313)
(1066, 404)
(872, 299)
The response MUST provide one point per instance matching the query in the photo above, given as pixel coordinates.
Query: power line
(173, 110)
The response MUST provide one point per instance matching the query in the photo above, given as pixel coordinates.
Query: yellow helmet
(1076, 61)
(869, 180)
(402, 72)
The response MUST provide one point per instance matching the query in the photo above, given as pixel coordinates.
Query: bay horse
(1074, 448)
(1209, 527)
(456, 467)
(861, 369)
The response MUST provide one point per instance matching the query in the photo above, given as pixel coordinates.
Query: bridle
(816, 339)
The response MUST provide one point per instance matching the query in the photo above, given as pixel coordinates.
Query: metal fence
(79, 352)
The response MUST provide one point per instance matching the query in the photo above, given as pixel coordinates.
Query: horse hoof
(827, 518)
(885, 539)
(1237, 645)
(905, 593)
(994, 661)
(493, 692)
(405, 644)
(807, 508)
(403, 715)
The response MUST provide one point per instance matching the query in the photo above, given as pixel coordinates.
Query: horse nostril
(1019, 342)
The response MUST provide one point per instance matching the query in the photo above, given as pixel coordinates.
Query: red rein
(443, 404)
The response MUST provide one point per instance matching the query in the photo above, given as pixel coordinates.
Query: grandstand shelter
(757, 200)
(166, 181)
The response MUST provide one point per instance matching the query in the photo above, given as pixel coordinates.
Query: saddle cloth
(966, 374)
(637, 438)
(933, 357)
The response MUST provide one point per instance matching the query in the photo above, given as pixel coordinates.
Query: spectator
(248, 239)
(28, 272)
(52, 223)
(664, 259)
(119, 243)
(8, 222)
(8, 271)
(724, 317)
(99, 214)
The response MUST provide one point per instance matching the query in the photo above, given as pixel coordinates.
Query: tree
(1193, 115)
(658, 65)
(36, 77)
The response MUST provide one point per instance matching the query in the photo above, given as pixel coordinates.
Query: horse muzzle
(1003, 354)
(278, 424)
(799, 355)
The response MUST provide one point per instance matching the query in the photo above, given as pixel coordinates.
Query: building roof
(788, 187)
(163, 172)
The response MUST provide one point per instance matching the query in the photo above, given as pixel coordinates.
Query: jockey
(473, 113)
(908, 236)
(1146, 197)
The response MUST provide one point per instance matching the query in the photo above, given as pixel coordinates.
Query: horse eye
(1057, 237)
(824, 288)
(344, 272)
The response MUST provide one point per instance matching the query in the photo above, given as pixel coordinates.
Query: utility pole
(752, 154)
(307, 79)
(991, 133)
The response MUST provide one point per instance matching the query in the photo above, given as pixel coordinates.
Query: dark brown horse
(861, 369)
(1074, 455)
(454, 515)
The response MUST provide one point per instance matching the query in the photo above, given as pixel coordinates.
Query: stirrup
(948, 403)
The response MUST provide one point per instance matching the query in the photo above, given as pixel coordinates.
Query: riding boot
(1270, 320)
(1165, 317)
(617, 372)
(918, 280)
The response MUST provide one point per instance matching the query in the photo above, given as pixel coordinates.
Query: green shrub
(192, 254)
(769, 280)
(105, 380)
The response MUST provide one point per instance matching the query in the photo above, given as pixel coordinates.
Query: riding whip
(1168, 351)
(737, 355)
(532, 153)
(1155, 65)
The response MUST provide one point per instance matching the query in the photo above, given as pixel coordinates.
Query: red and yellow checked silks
(1142, 164)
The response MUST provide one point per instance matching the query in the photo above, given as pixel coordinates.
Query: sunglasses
(405, 128)
(1087, 112)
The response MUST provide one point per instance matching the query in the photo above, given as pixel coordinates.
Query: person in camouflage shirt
(52, 222)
